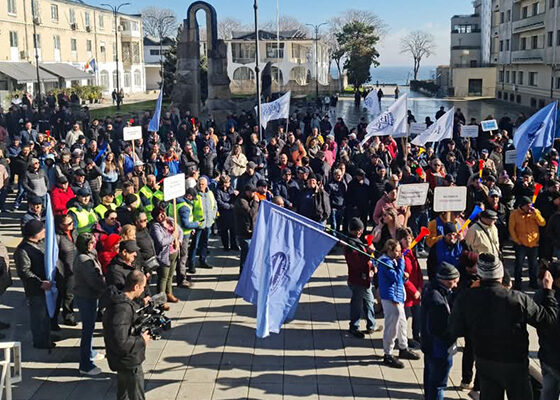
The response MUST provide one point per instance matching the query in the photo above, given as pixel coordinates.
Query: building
(295, 65)
(154, 55)
(74, 43)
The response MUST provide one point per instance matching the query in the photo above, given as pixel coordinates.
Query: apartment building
(154, 56)
(73, 42)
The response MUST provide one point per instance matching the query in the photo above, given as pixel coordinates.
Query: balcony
(456, 31)
(529, 24)
(532, 56)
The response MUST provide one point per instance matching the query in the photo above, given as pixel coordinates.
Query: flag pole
(257, 70)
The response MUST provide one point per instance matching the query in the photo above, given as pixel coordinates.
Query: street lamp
(35, 17)
(115, 10)
(316, 28)
(257, 74)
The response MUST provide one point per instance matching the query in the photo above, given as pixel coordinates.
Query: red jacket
(415, 279)
(59, 199)
(358, 266)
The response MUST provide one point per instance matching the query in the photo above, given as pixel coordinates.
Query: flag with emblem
(391, 122)
(536, 134)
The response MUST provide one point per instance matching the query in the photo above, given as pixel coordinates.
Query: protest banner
(469, 131)
(511, 157)
(132, 132)
(490, 125)
(412, 194)
(453, 198)
(174, 187)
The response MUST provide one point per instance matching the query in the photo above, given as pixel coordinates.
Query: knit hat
(109, 241)
(449, 227)
(524, 201)
(356, 224)
(129, 245)
(129, 199)
(32, 227)
(489, 267)
(447, 272)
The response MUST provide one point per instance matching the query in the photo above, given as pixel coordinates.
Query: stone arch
(243, 74)
(300, 75)
(191, 23)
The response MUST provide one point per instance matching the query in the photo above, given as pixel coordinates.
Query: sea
(399, 75)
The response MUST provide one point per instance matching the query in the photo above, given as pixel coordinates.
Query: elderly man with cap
(61, 194)
(482, 236)
(34, 212)
(79, 181)
(205, 209)
(35, 181)
(287, 188)
(524, 223)
(437, 345)
(313, 202)
(495, 204)
(245, 213)
(249, 177)
(447, 250)
(82, 212)
(29, 258)
(495, 319)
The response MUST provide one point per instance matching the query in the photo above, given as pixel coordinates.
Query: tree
(419, 44)
(227, 26)
(357, 42)
(170, 67)
(286, 23)
(159, 22)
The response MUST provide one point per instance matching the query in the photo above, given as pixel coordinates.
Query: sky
(401, 16)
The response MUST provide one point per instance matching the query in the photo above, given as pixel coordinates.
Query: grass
(127, 109)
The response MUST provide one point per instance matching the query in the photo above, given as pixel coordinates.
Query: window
(520, 78)
(137, 78)
(508, 15)
(501, 18)
(243, 74)
(507, 76)
(558, 38)
(115, 79)
(535, 8)
(154, 52)
(54, 12)
(103, 53)
(104, 79)
(511, 97)
(550, 39)
(513, 76)
(525, 12)
(501, 76)
(532, 79)
(127, 79)
(499, 94)
(37, 40)
(87, 21)
(533, 102)
(534, 42)
(88, 45)
(464, 28)
(523, 43)
(243, 52)
(12, 7)
(101, 27)
(72, 16)
(35, 11)
(518, 99)
(273, 51)
(551, 3)
(13, 39)
(114, 51)
(507, 44)
(501, 45)
(73, 45)
(135, 49)
(56, 42)
(557, 83)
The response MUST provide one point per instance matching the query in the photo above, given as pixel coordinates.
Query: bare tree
(227, 26)
(287, 23)
(159, 22)
(419, 44)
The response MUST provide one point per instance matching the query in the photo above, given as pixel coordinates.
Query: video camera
(151, 318)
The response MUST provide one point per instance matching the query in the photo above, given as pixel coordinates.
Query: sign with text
(174, 187)
(511, 157)
(412, 194)
(469, 131)
(132, 132)
(490, 125)
(452, 198)
(417, 128)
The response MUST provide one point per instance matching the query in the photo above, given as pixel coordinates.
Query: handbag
(151, 264)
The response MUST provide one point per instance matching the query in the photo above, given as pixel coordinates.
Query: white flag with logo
(391, 122)
(276, 109)
(371, 102)
(439, 130)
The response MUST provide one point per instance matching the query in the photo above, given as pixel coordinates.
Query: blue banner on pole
(51, 258)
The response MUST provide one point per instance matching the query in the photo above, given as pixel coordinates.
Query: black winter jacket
(435, 314)
(549, 351)
(29, 258)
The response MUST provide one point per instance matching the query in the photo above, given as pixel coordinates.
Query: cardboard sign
(174, 187)
(490, 125)
(469, 131)
(412, 194)
(511, 157)
(417, 128)
(132, 132)
(453, 198)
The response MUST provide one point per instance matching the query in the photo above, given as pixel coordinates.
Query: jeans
(39, 321)
(531, 253)
(21, 192)
(395, 326)
(244, 245)
(362, 299)
(497, 378)
(199, 243)
(551, 383)
(414, 312)
(88, 313)
(436, 374)
(130, 384)
(335, 219)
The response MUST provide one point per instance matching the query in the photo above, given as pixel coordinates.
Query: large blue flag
(154, 122)
(536, 134)
(51, 258)
(285, 250)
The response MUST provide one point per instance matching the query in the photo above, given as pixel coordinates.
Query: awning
(65, 71)
(24, 72)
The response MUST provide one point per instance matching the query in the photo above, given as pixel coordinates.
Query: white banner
(132, 132)
(469, 131)
(490, 125)
(277, 109)
(439, 130)
(511, 157)
(412, 194)
(371, 103)
(417, 128)
(174, 187)
(450, 198)
(391, 122)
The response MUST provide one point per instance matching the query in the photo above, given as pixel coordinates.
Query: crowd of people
(115, 232)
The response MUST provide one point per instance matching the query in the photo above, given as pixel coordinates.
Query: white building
(154, 55)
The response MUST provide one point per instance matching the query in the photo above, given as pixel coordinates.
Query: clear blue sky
(402, 16)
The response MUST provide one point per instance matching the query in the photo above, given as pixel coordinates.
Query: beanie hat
(356, 224)
(489, 267)
(129, 199)
(449, 227)
(447, 272)
(32, 227)
(109, 241)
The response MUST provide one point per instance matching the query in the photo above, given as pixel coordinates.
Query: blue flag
(51, 257)
(154, 122)
(285, 250)
(536, 134)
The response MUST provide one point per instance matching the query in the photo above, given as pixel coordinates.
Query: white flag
(391, 122)
(371, 102)
(277, 109)
(439, 130)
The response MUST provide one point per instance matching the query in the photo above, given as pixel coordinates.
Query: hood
(112, 296)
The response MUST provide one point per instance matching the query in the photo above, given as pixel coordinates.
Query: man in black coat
(126, 349)
(122, 264)
(286, 188)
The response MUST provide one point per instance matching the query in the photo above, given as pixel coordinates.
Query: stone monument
(186, 90)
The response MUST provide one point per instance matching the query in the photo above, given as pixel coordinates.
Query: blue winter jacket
(391, 281)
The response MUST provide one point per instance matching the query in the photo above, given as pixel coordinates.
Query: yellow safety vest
(120, 199)
(86, 219)
(101, 209)
(186, 232)
(148, 194)
(198, 208)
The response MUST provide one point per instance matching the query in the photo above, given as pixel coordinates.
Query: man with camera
(125, 350)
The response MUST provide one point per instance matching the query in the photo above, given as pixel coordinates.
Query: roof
(151, 41)
(24, 72)
(266, 35)
(65, 71)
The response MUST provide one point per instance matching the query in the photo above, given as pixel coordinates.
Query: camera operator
(125, 351)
